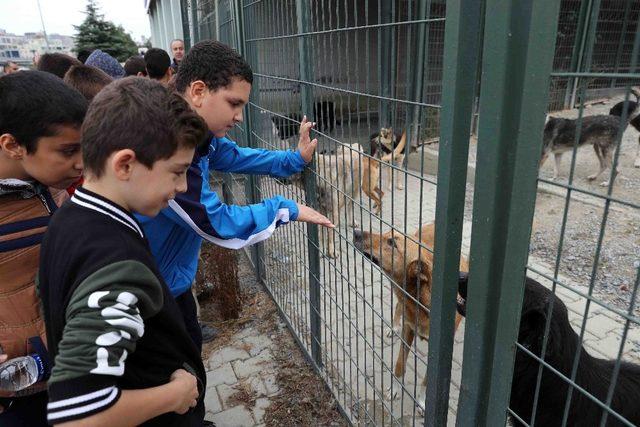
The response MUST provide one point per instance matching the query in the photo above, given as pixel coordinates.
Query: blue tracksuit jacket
(175, 235)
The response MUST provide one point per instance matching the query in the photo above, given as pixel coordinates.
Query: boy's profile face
(151, 189)
(222, 109)
(57, 161)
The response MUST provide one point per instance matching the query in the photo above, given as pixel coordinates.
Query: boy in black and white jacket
(122, 352)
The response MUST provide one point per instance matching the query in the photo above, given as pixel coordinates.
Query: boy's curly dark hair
(215, 63)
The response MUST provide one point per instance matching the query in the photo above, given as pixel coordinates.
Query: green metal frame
(516, 66)
(306, 91)
(462, 38)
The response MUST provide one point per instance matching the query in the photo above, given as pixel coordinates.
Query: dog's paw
(355, 224)
(391, 395)
(395, 330)
(400, 186)
(604, 184)
(592, 177)
(637, 163)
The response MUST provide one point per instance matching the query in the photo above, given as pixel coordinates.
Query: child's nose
(182, 185)
(78, 163)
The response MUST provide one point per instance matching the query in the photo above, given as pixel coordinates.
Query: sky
(21, 16)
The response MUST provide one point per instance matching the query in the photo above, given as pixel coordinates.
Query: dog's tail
(400, 147)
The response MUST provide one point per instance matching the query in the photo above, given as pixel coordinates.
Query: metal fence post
(302, 17)
(385, 53)
(623, 33)
(578, 50)
(519, 36)
(417, 83)
(184, 17)
(462, 42)
(252, 188)
(195, 26)
(586, 45)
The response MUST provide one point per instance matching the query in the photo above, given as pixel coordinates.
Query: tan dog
(341, 176)
(411, 270)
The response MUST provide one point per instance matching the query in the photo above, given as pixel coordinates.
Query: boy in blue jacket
(216, 82)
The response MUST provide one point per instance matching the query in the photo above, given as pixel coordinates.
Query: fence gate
(414, 67)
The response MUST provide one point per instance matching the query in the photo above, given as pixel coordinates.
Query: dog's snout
(357, 234)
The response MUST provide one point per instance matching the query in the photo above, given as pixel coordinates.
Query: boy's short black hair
(215, 63)
(34, 104)
(135, 65)
(87, 80)
(83, 54)
(157, 62)
(142, 115)
(57, 63)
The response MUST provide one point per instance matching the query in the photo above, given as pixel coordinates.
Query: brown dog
(410, 267)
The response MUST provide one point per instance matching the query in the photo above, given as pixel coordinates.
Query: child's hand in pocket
(186, 390)
(307, 214)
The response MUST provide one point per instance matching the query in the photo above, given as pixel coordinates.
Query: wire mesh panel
(608, 50)
(359, 84)
(577, 357)
(370, 74)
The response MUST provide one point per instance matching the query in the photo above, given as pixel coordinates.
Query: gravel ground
(618, 260)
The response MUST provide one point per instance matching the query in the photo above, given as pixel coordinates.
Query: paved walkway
(237, 373)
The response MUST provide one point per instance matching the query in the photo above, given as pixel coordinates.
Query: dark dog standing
(324, 114)
(593, 374)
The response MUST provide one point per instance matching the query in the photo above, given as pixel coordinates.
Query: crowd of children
(104, 204)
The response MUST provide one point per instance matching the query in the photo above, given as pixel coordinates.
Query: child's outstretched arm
(226, 156)
(233, 226)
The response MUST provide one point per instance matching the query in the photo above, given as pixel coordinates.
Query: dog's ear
(418, 272)
(531, 333)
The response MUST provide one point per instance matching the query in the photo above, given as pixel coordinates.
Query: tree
(97, 33)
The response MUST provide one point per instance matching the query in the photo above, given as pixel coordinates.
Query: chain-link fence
(377, 75)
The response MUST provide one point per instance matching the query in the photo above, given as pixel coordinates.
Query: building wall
(165, 17)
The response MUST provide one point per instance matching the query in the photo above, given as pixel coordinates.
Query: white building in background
(22, 48)
(36, 43)
(10, 45)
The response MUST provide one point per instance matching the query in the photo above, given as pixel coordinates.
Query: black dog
(593, 375)
(617, 109)
(324, 114)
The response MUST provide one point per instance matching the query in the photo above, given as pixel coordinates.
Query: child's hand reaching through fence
(307, 214)
(306, 146)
